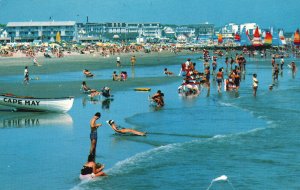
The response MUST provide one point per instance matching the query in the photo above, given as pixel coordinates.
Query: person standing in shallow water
(93, 135)
(118, 61)
(220, 79)
(255, 84)
(133, 60)
(26, 75)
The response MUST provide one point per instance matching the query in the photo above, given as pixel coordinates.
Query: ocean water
(252, 140)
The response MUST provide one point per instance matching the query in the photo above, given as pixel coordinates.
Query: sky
(266, 13)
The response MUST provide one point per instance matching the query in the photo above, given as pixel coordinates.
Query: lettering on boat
(22, 102)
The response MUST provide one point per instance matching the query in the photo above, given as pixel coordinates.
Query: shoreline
(79, 62)
(72, 88)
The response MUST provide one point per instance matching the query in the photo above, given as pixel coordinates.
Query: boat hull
(38, 104)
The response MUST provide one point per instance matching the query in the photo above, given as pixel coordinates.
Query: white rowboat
(37, 104)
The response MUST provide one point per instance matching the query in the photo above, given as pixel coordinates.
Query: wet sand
(15, 66)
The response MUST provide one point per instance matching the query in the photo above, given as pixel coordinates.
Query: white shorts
(87, 176)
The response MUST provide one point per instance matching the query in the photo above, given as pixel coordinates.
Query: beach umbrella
(45, 44)
(256, 38)
(116, 36)
(268, 38)
(5, 47)
(297, 38)
(99, 44)
(54, 45)
(51, 39)
(58, 38)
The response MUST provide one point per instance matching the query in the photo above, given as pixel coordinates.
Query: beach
(190, 141)
(74, 65)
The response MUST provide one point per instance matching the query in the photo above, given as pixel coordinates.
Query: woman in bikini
(118, 129)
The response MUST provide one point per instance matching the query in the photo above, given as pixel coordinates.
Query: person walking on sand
(35, 62)
(255, 84)
(93, 135)
(26, 75)
(121, 130)
(118, 61)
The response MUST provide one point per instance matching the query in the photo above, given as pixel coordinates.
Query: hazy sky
(281, 14)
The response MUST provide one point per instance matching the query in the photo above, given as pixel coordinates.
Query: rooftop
(49, 23)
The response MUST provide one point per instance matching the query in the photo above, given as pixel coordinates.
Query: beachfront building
(185, 30)
(205, 31)
(45, 31)
(130, 31)
(228, 31)
(169, 31)
(230, 28)
(90, 32)
(4, 36)
(118, 31)
(250, 27)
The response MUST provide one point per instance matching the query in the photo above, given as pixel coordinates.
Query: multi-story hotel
(45, 31)
(72, 31)
(118, 30)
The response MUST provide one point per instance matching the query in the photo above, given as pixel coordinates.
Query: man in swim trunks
(93, 135)
(159, 98)
(26, 75)
(168, 73)
(133, 60)
(119, 129)
(255, 84)
(220, 79)
(106, 92)
(87, 73)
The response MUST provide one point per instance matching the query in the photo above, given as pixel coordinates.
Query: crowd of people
(231, 77)
(193, 82)
(65, 49)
